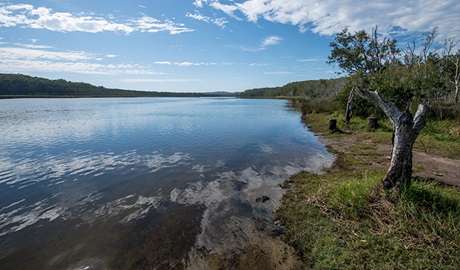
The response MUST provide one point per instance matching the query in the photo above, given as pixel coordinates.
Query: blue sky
(199, 45)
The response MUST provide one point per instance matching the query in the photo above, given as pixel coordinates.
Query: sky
(200, 45)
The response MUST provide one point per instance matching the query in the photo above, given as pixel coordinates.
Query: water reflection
(96, 173)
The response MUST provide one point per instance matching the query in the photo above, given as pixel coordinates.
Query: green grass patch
(344, 219)
(310, 233)
(431, 145)
(350, 197)
(438, 137)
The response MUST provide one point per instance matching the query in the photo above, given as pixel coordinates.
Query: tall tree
(362, 56)
(368, 59)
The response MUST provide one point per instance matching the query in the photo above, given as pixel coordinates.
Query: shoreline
(344, 220)
(259, 240)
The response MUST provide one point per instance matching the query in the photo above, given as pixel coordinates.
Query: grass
(344, 219)
(438, 137)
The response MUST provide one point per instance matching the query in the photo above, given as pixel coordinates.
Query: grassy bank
(344, 220)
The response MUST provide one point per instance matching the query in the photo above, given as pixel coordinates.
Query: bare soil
(427, 166)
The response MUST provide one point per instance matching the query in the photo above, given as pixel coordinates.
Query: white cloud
(257, 65)
(12, 15)
(163, 63)
(228, 9)
(187, 64)
(199, 17)
(11, 65)
(330, 17)
(266, 42)
(198, 3)
(221, 22)
(279, 73)
(33, 46)
(152, 25)
(270, 41)
(33, 54)
(39, 60)
(312, 60)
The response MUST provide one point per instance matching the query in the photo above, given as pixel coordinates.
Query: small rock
(262, 199)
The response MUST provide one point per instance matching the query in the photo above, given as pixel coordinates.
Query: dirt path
(440, 168)
(425, 165)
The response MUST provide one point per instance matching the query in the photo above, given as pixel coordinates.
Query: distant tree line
(311, 89)
(18, 85)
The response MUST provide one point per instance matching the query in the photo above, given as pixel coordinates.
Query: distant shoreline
(57, 96)
(24, 86)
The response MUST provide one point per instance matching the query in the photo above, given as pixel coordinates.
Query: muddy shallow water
(143, 183)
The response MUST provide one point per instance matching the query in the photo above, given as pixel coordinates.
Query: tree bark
(456, 92)
(456, 75)
(348, 112)
(332, 124)
(400, 171)
(373, 122)
(406, 131)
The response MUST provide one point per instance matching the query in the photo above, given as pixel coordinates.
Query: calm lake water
(142, 182)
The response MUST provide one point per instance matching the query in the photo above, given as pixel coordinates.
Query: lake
(143, 182)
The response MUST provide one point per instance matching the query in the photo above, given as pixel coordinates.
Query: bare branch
(388, 107)
(419, 121)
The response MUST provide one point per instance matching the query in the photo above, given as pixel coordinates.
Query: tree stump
(373, 122)
(332, 124)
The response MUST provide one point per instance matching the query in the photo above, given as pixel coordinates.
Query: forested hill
(304, 89)
(17, 85)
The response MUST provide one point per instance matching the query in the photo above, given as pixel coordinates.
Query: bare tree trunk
(406, 130)
(456, 79)
(400, 171)
(348, 112)
(456, 92)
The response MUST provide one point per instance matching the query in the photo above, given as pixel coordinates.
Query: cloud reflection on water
(88, 163)
(22, 213)
(233, 206)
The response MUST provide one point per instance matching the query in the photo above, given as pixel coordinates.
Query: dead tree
(406, 130)
(348, 111)
(454, 58)
(366, 58)
(332, 125)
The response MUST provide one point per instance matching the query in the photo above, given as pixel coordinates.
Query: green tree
(364, 58)
(371, 64)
